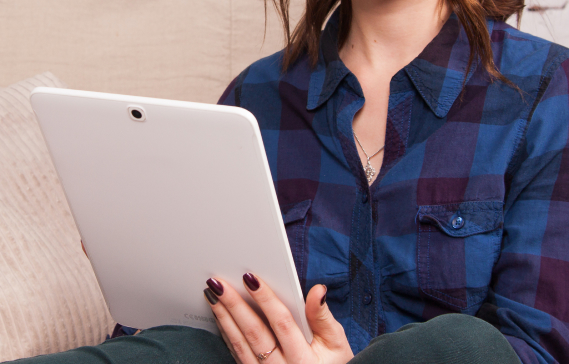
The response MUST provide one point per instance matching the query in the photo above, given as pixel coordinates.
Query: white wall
(551, 23)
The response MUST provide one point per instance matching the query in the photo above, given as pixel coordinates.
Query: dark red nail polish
(212, 298)
(215, 286)
(251, 281)
(323, 300)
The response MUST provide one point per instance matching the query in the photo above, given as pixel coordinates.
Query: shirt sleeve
(529, 297)
(232, 94)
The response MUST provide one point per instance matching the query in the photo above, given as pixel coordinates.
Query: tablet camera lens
(136, 114)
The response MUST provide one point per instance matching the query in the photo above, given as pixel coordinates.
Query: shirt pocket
(457, 247)
(295, 218)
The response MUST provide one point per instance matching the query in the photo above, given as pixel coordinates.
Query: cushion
(181, 50)
(49, 298)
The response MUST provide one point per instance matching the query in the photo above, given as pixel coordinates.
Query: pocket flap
(465, 218)
(295, 211)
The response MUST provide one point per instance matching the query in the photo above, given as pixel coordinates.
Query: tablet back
(166, 203)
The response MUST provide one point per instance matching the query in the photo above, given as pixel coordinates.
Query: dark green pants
(446, 339)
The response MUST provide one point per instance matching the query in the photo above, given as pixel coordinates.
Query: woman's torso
(424, 238)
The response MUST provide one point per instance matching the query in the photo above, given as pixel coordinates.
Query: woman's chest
(429, 228)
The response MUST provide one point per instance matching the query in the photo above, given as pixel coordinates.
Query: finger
(289, 335)
(236, 342)
(227, 342)
(259, 337)
(326, 329)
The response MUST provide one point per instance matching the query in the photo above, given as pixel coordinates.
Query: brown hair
(472, 15)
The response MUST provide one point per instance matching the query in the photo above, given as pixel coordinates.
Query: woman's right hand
(247, 336)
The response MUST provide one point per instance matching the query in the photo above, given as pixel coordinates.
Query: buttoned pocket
(457, 246)
(295, 218)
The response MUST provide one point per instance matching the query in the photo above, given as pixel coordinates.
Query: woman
(422, 169)
(464, 210)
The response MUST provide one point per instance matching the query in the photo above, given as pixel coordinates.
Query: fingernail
(323, 300)
(212, 298)
(215, 286)
(251, 281)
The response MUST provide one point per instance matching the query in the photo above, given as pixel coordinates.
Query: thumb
(324, 326)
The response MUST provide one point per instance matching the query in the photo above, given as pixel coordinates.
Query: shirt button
(367, 298)
(364, 197)
(457, 222)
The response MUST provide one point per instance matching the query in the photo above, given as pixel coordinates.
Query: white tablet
(167, 194)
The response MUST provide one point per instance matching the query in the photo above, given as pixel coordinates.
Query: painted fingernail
(251, 281)
(323, 300)
(215, 286)
(211, 298)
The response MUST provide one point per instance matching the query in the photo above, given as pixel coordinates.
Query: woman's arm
(529, 297)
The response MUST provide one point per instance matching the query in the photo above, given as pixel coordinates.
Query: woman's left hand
(249, 338)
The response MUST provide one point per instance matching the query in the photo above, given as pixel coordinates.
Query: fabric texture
(49, 298)
(163, 344)
(175, 49)
(470, 209)
(445, 339)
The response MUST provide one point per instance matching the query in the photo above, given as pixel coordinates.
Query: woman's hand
(247, 336)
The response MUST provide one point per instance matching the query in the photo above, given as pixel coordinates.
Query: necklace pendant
(369, 170)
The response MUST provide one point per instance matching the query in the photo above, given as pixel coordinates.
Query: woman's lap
(163, 344)
(447, 339)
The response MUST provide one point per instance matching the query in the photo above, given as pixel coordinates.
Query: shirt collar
(330, 70)
(438, 73)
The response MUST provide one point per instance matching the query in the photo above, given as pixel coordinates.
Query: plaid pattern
(470, 211)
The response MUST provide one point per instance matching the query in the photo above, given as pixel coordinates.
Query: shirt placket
(363, 299)
(365, 303)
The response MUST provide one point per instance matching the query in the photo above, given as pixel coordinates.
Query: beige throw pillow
(49, 297)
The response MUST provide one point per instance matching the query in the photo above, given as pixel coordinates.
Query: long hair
(472, 15)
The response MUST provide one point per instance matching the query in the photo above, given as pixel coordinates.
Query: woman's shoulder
(521, 54)
(264, 77)
(540, 69)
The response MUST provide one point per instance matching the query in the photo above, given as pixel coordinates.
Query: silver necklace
(368, 169)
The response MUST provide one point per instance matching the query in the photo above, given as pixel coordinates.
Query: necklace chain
(361, 146)
(368, 169)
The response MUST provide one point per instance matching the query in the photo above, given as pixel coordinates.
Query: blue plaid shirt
(470, 210)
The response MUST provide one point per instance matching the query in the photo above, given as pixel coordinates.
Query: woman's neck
(388, 34)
